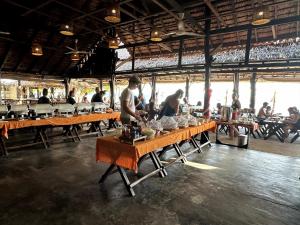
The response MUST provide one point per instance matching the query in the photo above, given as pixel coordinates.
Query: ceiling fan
(181, 29)
(76, 51)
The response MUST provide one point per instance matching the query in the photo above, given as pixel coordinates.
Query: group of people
(97, 97)
(265, 111)
(131, 105)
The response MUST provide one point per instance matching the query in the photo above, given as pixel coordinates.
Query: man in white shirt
(128, 112)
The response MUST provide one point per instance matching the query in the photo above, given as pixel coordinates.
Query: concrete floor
(222, 186)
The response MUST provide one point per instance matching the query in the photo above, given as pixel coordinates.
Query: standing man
(44, 99)
(98, 96)
(71, 97)
(128, 111)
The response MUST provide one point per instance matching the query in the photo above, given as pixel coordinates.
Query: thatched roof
(29, 21)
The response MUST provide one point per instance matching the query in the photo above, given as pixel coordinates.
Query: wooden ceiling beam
(230, 30)
(25, 50)
(37, 7)
(97, 11)
(215, 12)
(235, 20)
(46, 62)
(133, 16)
(135, 8)
(6, 55)
(47, 15)
(298, 13)
(274, 28)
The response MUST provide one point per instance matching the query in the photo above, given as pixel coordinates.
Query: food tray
(132, 141)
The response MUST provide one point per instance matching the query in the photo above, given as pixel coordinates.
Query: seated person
(44, 99)
(262, 113)
(269, 111)
(291, 121)
(98, 96)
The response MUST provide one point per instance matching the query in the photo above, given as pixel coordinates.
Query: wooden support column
(248, 45)
(236, 82)
(207, 60)
(133, 59)
(180, 53)
(113, 80)
(187, 86)
(101, 84)
(112, 91)
(67, 86)
(253, 91)
(0, 87)
(153, 85)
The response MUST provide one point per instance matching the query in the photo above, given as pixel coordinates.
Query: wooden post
(187, 86)
(67, 86)
(0, 87)
(112, 91)
(101, 84)
(236, 82)
(133, 59)
(253, 90)
(181, 42)
(248, 45)
(207, 13)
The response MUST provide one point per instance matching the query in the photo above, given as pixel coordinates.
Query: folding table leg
(3, 146)
(195, 144)
(43, 139)
(76, 133)
(156, 164)
(179, 152)
(205, 139)
(163, 151)
(46, 136)
(126, 181)
(69, 132)
(159, 163)
(107, 172)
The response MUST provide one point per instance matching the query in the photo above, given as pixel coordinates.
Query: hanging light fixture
(75, 57)
(113, 43)
(66, 29)
(261, 16)
(113, 13)
(155, 34)
(36, 49)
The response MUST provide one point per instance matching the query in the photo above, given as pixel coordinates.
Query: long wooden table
(110, 150)
(5, 126)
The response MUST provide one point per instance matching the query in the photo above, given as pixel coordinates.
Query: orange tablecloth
(56, 121)
(111, 150)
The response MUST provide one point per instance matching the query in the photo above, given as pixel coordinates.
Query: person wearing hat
(128, 110)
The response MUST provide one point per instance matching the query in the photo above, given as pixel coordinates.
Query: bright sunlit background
(287, 93)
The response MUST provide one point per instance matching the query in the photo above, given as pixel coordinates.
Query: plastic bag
(168, 123)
